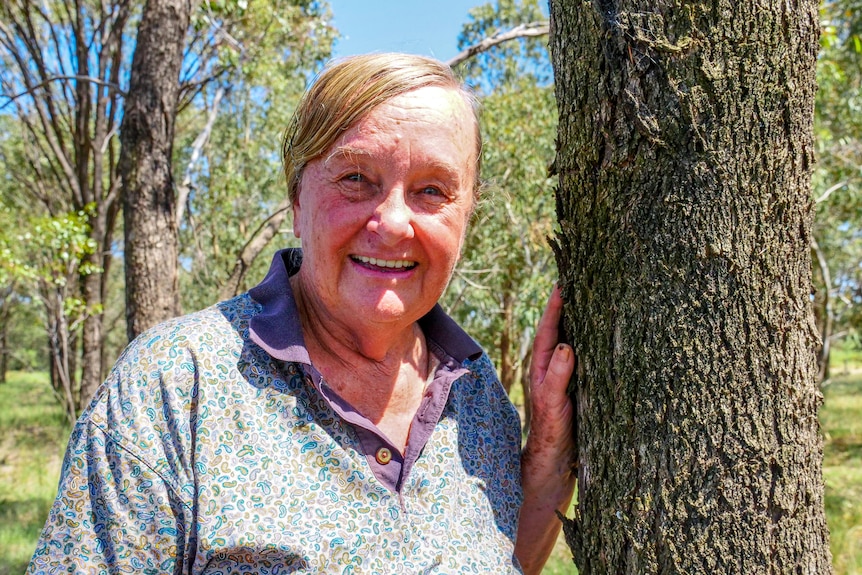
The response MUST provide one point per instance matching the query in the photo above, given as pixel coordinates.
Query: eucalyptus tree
(685, 151)
(837, 241)
(508, 266)
(232, 200)
(47, 272)
(65, 76)
(146, 150)
(236, 111)
(62, 74)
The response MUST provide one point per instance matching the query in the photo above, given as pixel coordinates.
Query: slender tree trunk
(5, 314)
(507, 368)
(91, 339)
(146, 137)
(684, 155)
(4, 350)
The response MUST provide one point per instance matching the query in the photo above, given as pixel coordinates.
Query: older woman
(333, 419)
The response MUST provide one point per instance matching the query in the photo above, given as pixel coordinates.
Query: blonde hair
(348, 89)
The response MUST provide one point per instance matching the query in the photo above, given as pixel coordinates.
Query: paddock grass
(33, 435)
(841, 418)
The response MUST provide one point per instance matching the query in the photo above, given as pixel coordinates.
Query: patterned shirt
(214, 446)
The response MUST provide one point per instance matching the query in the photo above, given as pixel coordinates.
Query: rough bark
(684, 156)
(146, 136)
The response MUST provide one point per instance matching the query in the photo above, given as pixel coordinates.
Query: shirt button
(383, 456)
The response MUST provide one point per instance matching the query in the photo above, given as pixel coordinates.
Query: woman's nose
(392, 219)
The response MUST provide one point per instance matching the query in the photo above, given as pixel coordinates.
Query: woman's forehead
(430, 112)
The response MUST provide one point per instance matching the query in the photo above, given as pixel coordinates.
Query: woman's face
(382, 215)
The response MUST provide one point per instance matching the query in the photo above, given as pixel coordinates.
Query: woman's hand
(547, 474)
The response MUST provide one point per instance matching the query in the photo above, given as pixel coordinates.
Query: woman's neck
(381, 372)
(356, 341)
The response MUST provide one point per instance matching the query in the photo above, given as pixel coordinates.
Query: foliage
(64, 71)
(837, 182)
(47, 260)
(63, 76)
(507, 270)
(235, 187)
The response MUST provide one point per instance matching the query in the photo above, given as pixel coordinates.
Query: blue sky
(428, 27)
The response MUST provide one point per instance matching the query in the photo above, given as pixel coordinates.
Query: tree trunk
(5, 315)
(684, 155)
(507, 368)
(146, 137)
(91, 339)
(4, 351)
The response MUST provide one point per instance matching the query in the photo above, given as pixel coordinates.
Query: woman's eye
(355, 178)
(432, 191)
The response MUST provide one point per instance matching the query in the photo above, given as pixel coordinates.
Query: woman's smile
(383, 264)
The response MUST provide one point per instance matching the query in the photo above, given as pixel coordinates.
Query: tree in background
(226, 189)
(507, 265)
(61, 69)
(56, 256)
(64, 74)
(685, 152)
(837, 243)
(146, 155)
(232, 199)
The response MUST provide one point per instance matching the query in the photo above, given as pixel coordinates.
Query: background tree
(58, 254)
(146, 153)
(64, 77)
(507, 264)
(256, 72)
(61, 66)
(685, 154)
(837, 242)
(232, 199)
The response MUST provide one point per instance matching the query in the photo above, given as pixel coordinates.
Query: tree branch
(184, 188)
(522, 31)
(828, 192)
(47, 81)
(257, 242)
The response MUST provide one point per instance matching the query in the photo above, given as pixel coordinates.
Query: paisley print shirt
(215, 447)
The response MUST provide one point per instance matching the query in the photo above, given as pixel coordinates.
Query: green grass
(33, 433)
(841, 418)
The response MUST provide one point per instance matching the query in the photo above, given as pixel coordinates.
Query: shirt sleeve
(115, 511)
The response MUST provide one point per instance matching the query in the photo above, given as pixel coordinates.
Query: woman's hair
(348, 89)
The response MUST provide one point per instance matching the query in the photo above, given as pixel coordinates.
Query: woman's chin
(388, 309)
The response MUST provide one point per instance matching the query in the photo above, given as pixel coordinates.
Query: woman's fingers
(547, 337)
(553, 364)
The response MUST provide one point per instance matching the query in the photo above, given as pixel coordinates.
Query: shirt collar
(277, 329)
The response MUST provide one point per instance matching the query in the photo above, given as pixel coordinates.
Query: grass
(841, 418)
(33, 434)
